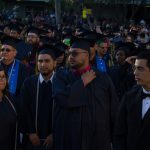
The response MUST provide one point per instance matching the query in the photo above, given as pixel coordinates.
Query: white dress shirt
(42, 79)
(145, 103)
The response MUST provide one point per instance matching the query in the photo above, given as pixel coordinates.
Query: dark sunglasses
(6, 50)
(75, 53)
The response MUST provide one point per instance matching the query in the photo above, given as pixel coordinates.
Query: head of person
(3, 80)
(92, 37)
(15, 32)
(129, 39)
(33, 37)
(8, 50)
(46, 60)
(7, 30)
(142, 69)
(121, 54)
(79, 54)
(61, 49)
(101, 47)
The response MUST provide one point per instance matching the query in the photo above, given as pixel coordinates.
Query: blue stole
(101, 65)
(13, 76)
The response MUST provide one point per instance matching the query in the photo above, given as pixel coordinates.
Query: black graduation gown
(8, 120)
(122, 77)
(83, 116)
(23, 50)
(45, 102)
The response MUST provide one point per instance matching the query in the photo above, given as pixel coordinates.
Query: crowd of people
(74, 86)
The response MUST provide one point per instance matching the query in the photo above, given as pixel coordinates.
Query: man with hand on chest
(38, 103)
(133, 122)
(85, 103)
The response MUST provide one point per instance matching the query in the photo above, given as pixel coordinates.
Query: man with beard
(33, 39)
(85, 104)
(37, 102)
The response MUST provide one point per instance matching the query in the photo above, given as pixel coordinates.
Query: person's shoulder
(21, 65)
(62, 72)
(134, 90)
(31, 79)
(101, 75)
(8, 96)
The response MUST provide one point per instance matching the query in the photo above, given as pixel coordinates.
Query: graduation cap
(48, 27)
(33, 29)
(100, 39)
(50, 50)
(125, 50)
(8, 40)
(16, 28)
(92, 37)
(60, 48)
(44, 39)
(80, 43)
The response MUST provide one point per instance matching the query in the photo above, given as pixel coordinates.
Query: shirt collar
(80, 72)
(146, 92)
(42, 79)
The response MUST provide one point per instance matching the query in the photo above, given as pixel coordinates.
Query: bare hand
(88, 77)
(34, 139)
(49, 141)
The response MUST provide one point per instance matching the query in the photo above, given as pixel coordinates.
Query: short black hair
(145, 55)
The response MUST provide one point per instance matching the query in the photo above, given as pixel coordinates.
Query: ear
(38, 39)
(15, 53)
(96, 46)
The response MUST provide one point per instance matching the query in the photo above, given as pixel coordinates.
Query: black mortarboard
(16, 28)
(48, 49)
(8, 40)
(33, 30)
(81, 43)
(48, 27)
(66, 31)
(44, 39)
(125, 50)
(91, 37)
(60, 48)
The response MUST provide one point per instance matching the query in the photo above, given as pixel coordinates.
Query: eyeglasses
(2, 78)
(6, 50)
(75, 53)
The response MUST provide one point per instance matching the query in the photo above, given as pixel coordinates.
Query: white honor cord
(16, 121)
(11, 70)
(37, 103)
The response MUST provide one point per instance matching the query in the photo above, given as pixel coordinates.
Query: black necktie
(144, 95)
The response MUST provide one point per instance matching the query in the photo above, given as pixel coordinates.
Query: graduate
(85, 103)
(17, 73)
(61, 54)
(8, 116)
(38, 103)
